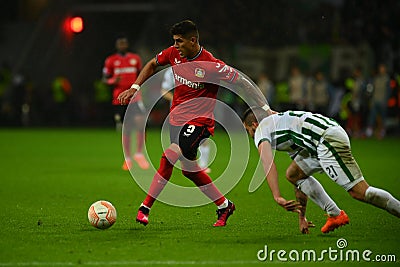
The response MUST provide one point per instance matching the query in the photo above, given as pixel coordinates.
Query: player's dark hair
(121, 35)
(186, 28)
(253, 114)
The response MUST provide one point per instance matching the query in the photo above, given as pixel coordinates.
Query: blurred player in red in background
(120, 71)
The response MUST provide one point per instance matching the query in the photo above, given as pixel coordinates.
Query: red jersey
(196, 86)
(122, 71)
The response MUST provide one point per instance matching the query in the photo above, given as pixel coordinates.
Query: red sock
(126, 144)
(140, 138)
(204, 182)
(162, 176)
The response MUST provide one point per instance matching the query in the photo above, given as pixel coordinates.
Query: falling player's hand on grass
(289, 205)
(304, 225)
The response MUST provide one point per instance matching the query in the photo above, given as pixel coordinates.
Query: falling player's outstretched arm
(303, 223)
(271, 172)
(147, 71)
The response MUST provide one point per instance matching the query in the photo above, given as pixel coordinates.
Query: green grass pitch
(49, 178)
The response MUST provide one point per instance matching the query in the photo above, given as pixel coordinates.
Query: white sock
(224, 205)
(382, 199)
(314, 190)
(204, 155)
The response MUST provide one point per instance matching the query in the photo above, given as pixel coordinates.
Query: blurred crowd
(365, 105)
(65, 90)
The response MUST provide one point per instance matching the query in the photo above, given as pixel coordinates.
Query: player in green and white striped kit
(315, 143)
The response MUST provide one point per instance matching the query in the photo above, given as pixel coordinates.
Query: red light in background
(76, 24)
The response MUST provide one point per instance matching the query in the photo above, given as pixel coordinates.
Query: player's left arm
(303, 223)
(271, 172)
(253, 91)
(243, 86)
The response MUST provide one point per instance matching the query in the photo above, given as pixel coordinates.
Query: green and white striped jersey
(290, 130)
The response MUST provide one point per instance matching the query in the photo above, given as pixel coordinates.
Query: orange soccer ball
(102, 214)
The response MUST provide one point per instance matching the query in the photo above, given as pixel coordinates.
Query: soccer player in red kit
(190, 122)
(120, 71)
(191, 113)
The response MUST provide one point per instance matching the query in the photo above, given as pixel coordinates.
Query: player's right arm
(108, 72)
(148, 70)
(110, 80)
(271, 172)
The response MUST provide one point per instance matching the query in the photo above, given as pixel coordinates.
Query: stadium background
(50, 175)
(39, 54)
